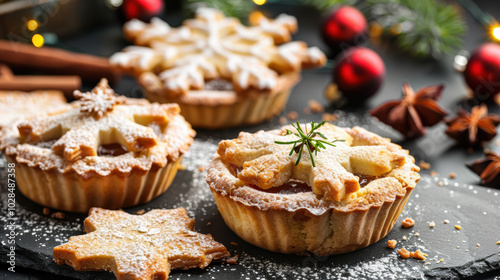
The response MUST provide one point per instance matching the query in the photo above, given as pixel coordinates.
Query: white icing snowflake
(213, 46)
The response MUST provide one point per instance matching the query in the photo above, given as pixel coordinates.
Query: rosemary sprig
(307, 139)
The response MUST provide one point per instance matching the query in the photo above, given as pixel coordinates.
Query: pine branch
(231, 8)
(428, 28)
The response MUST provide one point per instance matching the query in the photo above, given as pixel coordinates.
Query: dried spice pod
(474, 128)
(413, 112)
(488, 168)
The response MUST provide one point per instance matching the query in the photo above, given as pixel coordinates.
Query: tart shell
(72, 192)
(221, 109)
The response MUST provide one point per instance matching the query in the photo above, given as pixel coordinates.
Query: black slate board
(456, 200)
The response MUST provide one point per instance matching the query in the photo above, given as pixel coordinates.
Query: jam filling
(112, 150)
(365, 179)
(291, 187)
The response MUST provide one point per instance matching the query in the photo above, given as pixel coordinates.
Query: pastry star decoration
(139, 246)
(78, 135)
(266, 164)
(213, 46)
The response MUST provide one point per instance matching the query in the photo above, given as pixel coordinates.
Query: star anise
(99, 101)
(473, 128)
(411, 114)
(488, 169)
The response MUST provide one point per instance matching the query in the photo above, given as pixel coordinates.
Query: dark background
(103, 37)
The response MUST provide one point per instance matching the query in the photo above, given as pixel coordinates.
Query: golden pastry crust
(306, 218)
(152, 135)
(144, 246)
(267, 164)
(17, 105)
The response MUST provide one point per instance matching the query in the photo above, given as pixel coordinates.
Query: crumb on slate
(234, 243)
(440, 183)
(140, 212)
(433, 173)
(58, 215)
(417, 255)
(329, 117)
(283, 120)
(453, 175)
(404, 253)
(392, 243)
(201, 168)
(498, 242)
(46, 211)
(232, 260)
(417, 234)
(404, 238)
(292, 115)
(208, 224)
(316, 107)
(408, 222)
(432, 224)
(458, 227)
(424, 165)
(445, 221)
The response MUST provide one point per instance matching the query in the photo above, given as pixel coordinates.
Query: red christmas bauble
(343, 27)
(142, 9)
(359, 73)
(482, 73)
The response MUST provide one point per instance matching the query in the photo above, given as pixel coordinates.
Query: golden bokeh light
(32, 25)
(496, 33)
(260, 2)
(37, 40)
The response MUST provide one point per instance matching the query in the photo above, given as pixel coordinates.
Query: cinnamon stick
(56, 61)
(66, 84)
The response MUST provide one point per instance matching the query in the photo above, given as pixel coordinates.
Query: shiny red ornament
(344, 27)
(482, 73)
(142, 9)
(359, 73)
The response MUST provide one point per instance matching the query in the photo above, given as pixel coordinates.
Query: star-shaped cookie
(263, 163)
(139, 246)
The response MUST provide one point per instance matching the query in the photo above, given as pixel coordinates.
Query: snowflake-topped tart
(212, 46)
(101, 132)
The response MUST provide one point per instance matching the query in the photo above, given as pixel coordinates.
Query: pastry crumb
(234, 243)
(417, 234)
(404, 238)
(498, 242)
(292, 115)
(453, 175)
(417, 255)
(441, 260)
(404, 253)
(433, 173)
(201, 168)
(208, 224)
(232, 260)
(329, 117)
(140, 212)
(440, 183)
(445, 221)
(283, 120)
(408, 223)
(432, 224)
(458, 227)
(46, 211)
(316, 107)
(424, 165)
(58, 215)
(458, 247)
(392, 243)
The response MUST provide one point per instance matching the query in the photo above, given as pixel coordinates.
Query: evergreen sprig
(427, 28)
(307, 139)
(231, 8)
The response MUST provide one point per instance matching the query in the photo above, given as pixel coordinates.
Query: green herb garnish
(306, 139)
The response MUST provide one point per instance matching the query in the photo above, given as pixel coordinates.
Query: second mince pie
(220, 72)
(105, 150)
(349, 197)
